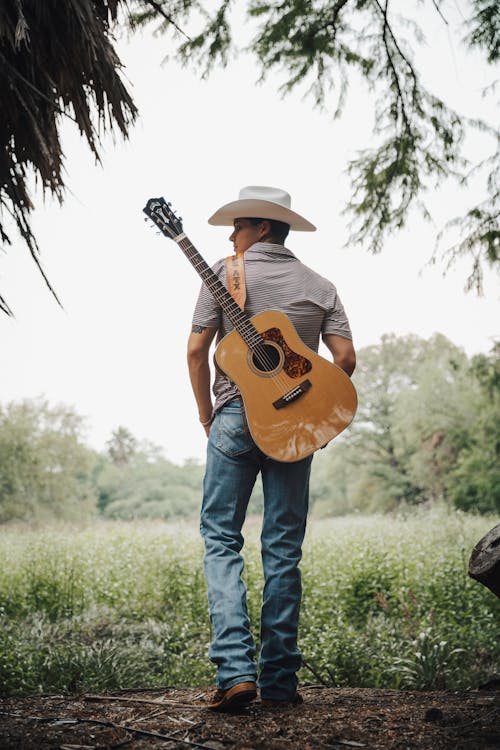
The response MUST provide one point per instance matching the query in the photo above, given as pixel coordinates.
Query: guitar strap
(235, 268)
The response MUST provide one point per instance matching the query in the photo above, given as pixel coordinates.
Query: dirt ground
(329, 718)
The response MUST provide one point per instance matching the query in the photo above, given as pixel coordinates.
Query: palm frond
(56, 59)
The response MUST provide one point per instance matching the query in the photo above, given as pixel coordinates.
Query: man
(275, 279)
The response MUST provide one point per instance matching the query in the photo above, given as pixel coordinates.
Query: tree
(56, 60)
(474, 483)
(427, 430)
(146, 485)
(413, 418)
(45, 467)
(122, 446)
(419, 139)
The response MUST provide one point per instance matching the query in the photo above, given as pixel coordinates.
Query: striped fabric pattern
(275, 279)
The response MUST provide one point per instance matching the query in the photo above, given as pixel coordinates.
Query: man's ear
(264, 229)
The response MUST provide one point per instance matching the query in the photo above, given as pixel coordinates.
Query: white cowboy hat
(261, 202)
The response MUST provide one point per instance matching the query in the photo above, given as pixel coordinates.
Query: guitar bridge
(292, 395)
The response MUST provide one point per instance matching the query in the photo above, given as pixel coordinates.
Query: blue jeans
(233, 463)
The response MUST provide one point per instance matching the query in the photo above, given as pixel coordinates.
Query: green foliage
(484, 28)
(149, 487)
(418, 141)
(475, 481)
(426, 430)
(47, 472)
(387, 603)
(101, 607)
(376, 585)
(45, 466)
(430, 665)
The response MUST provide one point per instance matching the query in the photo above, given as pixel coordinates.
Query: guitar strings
(254, 340)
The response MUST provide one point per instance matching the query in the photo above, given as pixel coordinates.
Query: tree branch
(436, 5)
(158, 7)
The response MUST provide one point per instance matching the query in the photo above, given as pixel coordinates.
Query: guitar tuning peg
(169, 204)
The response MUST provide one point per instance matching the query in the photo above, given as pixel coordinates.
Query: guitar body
(295, 400)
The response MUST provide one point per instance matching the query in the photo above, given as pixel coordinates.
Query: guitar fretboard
(238, 318)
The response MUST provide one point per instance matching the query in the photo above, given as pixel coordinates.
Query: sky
(116, 352)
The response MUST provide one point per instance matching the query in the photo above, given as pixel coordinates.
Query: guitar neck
(238, 318)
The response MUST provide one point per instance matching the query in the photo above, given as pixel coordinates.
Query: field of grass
(387, 603)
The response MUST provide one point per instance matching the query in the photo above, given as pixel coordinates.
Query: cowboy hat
(261, 202)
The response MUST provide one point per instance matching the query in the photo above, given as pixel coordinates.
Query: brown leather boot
(234, 697)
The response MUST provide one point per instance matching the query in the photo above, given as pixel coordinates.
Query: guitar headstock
(160, 212)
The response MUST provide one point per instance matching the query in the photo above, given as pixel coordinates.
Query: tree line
(427, 430)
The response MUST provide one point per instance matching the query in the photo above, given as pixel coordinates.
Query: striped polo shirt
(275, 279)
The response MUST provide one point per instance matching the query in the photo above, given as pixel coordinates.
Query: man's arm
(343, 352)
(198, 349)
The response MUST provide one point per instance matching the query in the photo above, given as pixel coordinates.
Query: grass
(387, 602)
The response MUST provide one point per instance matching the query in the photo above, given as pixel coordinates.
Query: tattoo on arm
(198, 329)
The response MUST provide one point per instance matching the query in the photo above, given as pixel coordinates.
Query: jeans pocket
(231, 435)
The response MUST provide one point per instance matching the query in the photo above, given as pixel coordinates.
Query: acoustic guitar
(295, 400)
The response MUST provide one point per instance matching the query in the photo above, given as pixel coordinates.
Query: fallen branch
(154, 702)
(316, 674)
(105, 723)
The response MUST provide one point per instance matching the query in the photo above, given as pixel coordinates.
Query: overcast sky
(117, 351)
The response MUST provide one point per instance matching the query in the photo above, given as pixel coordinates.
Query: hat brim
(259, 209)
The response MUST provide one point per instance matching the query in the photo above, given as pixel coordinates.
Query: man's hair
(279, 230)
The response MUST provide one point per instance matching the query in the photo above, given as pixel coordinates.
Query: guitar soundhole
(267, 358)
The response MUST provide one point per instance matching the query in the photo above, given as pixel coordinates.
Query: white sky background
(117, 351)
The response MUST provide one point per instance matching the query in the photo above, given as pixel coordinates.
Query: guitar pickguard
(295, 365)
